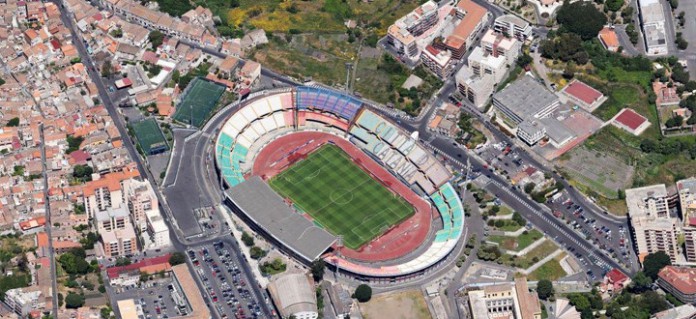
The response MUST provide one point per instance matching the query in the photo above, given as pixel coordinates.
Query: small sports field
(150, 137)
(341, 196)
(201, 98)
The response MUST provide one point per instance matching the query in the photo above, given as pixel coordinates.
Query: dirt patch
(602, 172)
(404, 305)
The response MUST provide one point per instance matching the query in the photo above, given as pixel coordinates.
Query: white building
(476, 89)
(141, 200)
(652, 19)
(512, 26)
(402, 35)
(438, 61)
(653, 228)
(295, 296)
(687, 207)
(157, 230)
(496, 44)
(23, 300)
(482, 63)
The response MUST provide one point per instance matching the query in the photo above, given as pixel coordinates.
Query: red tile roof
(630, 119)
(616, 276)
(474, 14)
(682, 279)
(583, 92)
(148, 263)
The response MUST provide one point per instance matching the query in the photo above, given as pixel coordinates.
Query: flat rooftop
(269, 211)
(526, 97)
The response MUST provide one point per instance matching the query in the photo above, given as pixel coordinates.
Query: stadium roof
(293, 294)
(269, 211)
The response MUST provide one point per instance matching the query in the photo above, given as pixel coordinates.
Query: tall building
(686, 190)
(157, 230)
(402, 35)
(119, 242)
(652, 20)
(111, 219)
(481, 63)
(438, 61)
(473, 18)
(513, 26)
(476, 89)
(505, 301)
(653, 228)
(141, 199)
(679, 281)
(106, 191)
(497, 45)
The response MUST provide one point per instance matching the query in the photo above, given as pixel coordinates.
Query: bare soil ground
(402, 305)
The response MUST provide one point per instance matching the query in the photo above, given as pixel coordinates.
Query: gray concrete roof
(270, 212)
(526, 97)
(293, 294)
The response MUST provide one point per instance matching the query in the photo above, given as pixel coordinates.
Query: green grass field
(199, 102)
(150, 137)
(341, 197)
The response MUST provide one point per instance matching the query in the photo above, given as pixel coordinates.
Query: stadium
(322, 176)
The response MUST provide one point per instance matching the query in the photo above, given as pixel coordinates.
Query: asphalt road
(49, 223)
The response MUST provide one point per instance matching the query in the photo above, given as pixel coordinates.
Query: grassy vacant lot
(342, 197)
(322, 16)
(551, 270)
(531, 257)
(408, 304)
(516, 243)
(321, 57)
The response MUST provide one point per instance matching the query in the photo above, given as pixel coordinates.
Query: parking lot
(227, 286)
(155, 299)
(609, 237)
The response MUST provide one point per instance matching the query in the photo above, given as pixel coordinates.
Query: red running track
(396, 242)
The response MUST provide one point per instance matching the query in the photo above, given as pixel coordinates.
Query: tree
(318, 267)
(524, 60)
(363, 293)
(177, 258)
(529, 187)
(653, 302)
(257, 252)
(123, 261)
(517, 218)
(648, 145)
(544, 289)
(74, 143)
(74, 263)
(83, 172)
(156, 38)
(13, 122)
(653, 263)
(247, 239)
(614, 5)
(674, 4)
(674, 121)
(73, 301)
(641, 282)
(679, 74)
(581, 18)
(107, 69)
(116, 33)
(174, 7)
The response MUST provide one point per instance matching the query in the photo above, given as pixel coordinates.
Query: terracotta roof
(682, 279)
(149, 265)
(630, 119)
(32, 223)
(112, 181)
(583, 92)
(474, 14)
(616, 276)
(609, 38)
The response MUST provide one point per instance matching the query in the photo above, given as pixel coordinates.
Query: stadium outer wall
(441, 259)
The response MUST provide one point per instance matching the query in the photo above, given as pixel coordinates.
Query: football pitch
(150, 137)
(199, 101)
(341, 196)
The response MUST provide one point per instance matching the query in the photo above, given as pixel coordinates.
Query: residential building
(665, 94)
(679, 281)
(513, 27)
(509, 301)
(402, 34)
(472, 18)
(24, 300)
(482, 63)
(130, 274)
(294, 295)
(497, 44)
(687, 311)
(686, 190)
(653, 228)
(249, 73)
(112, 219)
(609, 39)
(141, 199)
(525, 99)
(652, 19)
(438, 61)
(614, 282)
(157, 230)
(119, 242)
(106, 191)
(476, 89)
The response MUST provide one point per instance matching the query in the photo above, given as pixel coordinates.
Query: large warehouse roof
(526, 97)
(293, 294)
(269, 211)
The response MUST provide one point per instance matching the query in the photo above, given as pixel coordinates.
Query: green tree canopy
(363, 293)
(13, 122)
(73, 301)
(318, 268)
(581, 18)
(177, 258)
(653, 263)
(544, 289)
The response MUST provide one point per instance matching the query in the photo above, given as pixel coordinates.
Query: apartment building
(402, 35)
(22, 301)
(474, 88)
(111, 219)
(652, 21)
(119, 242)
(679, 281)
(513, 27)
(481, 63)
(472, 18)
(686, 190)
(157, 230)
(107, 191)
(497, 45)
(141, 199)
(438, 61)
(505, 301)
(653, 228)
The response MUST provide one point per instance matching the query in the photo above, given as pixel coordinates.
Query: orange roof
(32, 223)
(609, 38)
(41, 239)
(112, 181)
(474, 14)
(117, 143)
